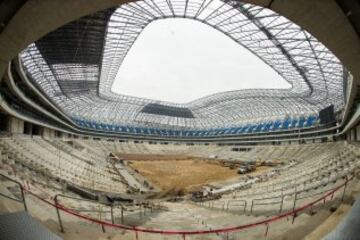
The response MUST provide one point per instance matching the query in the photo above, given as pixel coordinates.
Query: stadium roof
(75, 66)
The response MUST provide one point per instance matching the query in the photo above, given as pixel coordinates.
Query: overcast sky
(180, 60)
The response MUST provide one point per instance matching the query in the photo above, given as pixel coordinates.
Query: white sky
(180, 60)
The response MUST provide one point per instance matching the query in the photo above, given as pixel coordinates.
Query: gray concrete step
(21, 226)
(349, 227)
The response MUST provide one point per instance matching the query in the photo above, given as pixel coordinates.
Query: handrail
(198, 232)
(287, 193)
(85, 200)
(123, 208)
(236, 205)
(280, 198)
(265, 222)
(21, 190)
(75, 198)
(299, 197)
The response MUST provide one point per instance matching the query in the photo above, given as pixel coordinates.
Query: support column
(357, 129)
(15, 126)
(48, 133)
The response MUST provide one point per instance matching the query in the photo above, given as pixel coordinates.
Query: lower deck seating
(85, 171)
(318, 169)
(307, 168)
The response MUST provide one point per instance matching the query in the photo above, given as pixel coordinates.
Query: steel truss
(75, 66)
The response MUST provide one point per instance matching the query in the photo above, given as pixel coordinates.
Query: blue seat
(238, 130)
(286, 123)
(251, 128)
(276, 125)
(259, 127)
(245, 128)
(310, 121)
(294, 123)
(301, 122)
(267, 126)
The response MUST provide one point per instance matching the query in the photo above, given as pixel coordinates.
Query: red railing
(293, 213)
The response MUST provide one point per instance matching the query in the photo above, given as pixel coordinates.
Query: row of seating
(262, 127)
(311, 173)
(309, 169)
(86, 171)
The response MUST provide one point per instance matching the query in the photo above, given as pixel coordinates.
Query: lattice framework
(75, 66)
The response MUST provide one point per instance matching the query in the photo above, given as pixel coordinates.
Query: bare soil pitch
(187, 175)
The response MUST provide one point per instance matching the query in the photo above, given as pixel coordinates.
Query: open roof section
(278, 42)
(315, 73)
(180, 60)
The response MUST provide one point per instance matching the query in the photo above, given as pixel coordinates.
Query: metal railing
(236, 203)
(267, 201)
(22, 200)
(141, 209)
(294, 213)
(56, 200)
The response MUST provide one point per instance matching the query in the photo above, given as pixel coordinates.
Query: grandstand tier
(52, 167)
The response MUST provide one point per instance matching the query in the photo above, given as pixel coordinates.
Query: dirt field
(182, 174)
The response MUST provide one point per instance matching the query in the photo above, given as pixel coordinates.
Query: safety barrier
(266, 222)
(234, 204)
(22, 200)
(277, 204)
(141, 207)
(267, 201)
